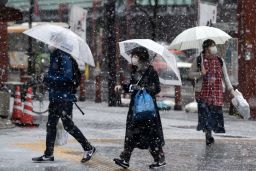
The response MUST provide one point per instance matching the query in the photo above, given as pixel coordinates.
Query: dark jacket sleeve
(62, 75)
(150, 81)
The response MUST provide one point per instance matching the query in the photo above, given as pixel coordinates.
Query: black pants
(157, 154)
(62, 110)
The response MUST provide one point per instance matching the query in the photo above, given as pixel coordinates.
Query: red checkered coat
(212, 91)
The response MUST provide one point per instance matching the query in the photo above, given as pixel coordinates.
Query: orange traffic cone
(27, 117)
(17, 106)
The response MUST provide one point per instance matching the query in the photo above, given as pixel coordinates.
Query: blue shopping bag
(144, 107)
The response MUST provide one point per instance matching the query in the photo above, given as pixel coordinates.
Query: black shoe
(88, 155)
(209, 141)
(43, 158)
(122, 163)
(157, 165)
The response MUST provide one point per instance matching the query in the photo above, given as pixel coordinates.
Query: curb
(6, 124)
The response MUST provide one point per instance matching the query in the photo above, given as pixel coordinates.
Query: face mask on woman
(213, 50)
(135, 60)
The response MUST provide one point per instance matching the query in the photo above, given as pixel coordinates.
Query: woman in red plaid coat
(210, 72)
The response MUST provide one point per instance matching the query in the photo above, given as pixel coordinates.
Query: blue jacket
(59, 77)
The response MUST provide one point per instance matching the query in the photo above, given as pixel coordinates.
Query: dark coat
(59, 77)
(210, 117)
(150, 134)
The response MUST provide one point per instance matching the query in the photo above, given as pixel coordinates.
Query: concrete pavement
(6, 124)
(105, 127)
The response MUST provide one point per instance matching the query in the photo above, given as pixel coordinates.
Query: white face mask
(135, 61)
(51, 48)
(213, 50)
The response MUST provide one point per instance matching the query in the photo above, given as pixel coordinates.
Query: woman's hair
(207, 43)
(141, 52)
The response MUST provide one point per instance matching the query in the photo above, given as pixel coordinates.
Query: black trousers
(62, 110)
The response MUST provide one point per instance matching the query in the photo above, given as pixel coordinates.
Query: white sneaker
(88, 155)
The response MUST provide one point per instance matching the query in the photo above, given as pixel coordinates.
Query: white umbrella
(63, 39)
(163, 61)
(194, 37)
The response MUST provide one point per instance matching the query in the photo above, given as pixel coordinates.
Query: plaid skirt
(210, 117)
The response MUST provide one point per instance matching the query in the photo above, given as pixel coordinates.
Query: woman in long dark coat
(149, 134)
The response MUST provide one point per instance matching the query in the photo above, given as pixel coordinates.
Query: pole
(31, 61)
(82, 88)
(246, 49)
(111, 49)
(177, 105)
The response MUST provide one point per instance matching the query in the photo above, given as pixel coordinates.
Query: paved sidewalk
(105, 128)
(6, 124)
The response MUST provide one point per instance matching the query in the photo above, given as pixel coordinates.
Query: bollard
(5, 121)
(82, 88)
(177, 105)
(4, 104)
(98, 89)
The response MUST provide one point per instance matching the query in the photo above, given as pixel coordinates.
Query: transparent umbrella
(63, 39)
(161, 59)
(193, 38)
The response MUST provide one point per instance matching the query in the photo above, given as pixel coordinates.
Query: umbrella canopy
(193, 38)
(63, 39)
(162, 60)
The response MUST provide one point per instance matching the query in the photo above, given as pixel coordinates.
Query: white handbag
(241, 105)
(61, 135)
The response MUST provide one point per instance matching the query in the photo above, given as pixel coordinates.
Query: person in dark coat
(61, 96)
(210, 75)
(149, 134)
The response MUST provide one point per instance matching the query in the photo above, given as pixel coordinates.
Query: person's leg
(125, 156)
(218, 119)
(208, 137)
(157, 154)
(51, 129)
(53, 118)
(202, 115)
(159, 157)
(71, 128)
(208, 130)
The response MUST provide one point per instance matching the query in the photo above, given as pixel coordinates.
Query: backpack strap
(198, 62)
(221, 61)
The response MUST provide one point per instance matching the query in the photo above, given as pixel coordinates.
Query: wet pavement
(6, 124)
(185, 148)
